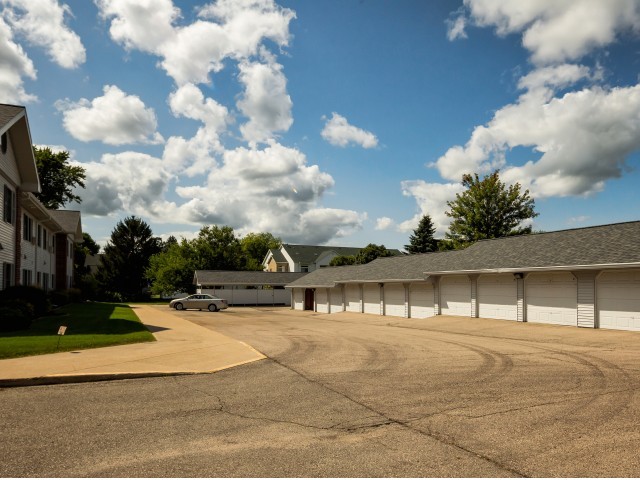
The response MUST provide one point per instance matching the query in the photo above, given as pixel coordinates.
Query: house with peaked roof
(36, 243)
(306, 258)
(586, 277)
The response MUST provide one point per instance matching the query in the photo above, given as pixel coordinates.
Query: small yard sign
(61, 331)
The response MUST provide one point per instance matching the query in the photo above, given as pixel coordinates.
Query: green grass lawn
(89, 325)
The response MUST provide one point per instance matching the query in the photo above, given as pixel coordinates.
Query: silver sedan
(199, 301)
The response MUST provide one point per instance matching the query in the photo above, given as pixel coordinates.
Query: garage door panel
(421, 300)
(336, 299)
(371, 293)
(455, 296)
(618, 300)
(552, 298)
(498, 297)
(394, 300)
(322, 302)
(352, 294)
(298, 299)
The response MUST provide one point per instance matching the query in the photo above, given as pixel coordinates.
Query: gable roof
(604, 246)
(13, 121)
(277, 255)
(69, 221)
(225, 277)
(308, 254)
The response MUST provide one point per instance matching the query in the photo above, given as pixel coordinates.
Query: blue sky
(338, 122)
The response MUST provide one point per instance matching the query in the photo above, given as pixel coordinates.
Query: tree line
(135, 261)
(487, 208)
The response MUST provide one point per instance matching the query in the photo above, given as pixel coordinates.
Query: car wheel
(213, 308)
(179, 306)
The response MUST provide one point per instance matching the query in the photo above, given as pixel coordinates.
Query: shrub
(75, 295)
(59, 297)
(32, 295)
(15, 315)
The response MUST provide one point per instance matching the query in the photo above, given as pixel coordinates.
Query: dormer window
(3, 143)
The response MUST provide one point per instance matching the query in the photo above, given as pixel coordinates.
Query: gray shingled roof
(307, 254)
(69, 220)
(615, 244)
(601, 245)
(8, 113)
(277, 255)
(222, 277)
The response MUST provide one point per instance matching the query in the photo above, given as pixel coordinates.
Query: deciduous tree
(488, 209)
(58, 178)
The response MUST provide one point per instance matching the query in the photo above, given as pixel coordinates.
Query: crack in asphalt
(405, 424)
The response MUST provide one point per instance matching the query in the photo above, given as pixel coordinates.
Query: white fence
(253, 296)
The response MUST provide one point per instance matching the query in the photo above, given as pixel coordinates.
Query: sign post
(61, 332)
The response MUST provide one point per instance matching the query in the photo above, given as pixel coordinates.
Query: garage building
(586, 277)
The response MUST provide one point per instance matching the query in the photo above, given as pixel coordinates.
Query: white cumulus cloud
(555, 30)
(16, 65)
(224, 29)
(42, 23)
(337, 131)
(114, 118)
(432, 200)
(265, 100)
(384, 223)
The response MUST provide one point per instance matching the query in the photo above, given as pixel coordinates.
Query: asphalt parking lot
(352, 395)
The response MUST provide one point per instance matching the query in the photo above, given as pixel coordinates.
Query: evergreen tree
(488, 209)
(126, 258)
(422, 240)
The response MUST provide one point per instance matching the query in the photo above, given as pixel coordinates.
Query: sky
(338, 122)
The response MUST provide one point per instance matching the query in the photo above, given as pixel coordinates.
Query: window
(39, 279)
(4, 142)
(44, 238)
(39, 237)
(9, 205)
(27, 228)
(7, 275)
(53, 281)
(27, 278)
(304, 268)
(45, 281)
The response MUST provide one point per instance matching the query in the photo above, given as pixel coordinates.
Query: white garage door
(497, 297)
(619, 300)
(371, 294)
(421, 300)
(394, 299)
(322, 301)
(352, 298)
(336, 299)
(298, 298)
(455, 296)
(552, 298)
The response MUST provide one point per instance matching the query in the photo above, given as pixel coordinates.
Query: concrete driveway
(351, 395)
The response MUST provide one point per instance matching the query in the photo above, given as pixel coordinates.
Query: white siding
(586, 299)
(618, 300)
(352, 297)
(394, 296)
(371, 294)
(498, 297)
(336, 299)
(455, 295)
(298, 298)
(421, 300)
(552, 298)
(322, 300)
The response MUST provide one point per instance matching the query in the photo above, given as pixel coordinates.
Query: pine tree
(422, 240)
(126, 258)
